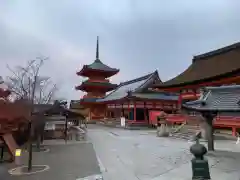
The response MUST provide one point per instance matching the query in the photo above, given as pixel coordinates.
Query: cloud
(136, 36)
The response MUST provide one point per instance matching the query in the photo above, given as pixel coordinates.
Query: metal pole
(2, 152)
(30, 147)
(66, 128)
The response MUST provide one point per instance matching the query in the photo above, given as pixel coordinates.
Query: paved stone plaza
(128, 155)
(140, 155)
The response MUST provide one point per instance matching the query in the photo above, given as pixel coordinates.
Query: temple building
(96, 85)
(220, 67)
(133, 100)
(215, 68)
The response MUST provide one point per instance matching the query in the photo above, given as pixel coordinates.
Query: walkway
(140, 155)
(71, 161)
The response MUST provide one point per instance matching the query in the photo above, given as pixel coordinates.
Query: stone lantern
(200, 167)
(162, 128)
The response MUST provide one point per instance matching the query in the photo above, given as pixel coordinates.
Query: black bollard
(200, 167)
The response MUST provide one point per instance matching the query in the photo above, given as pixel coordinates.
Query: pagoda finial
(97, 50)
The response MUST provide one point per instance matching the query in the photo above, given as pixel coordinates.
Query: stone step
(185, 135)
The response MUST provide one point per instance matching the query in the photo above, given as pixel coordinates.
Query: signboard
(123, 121)
(18, 152)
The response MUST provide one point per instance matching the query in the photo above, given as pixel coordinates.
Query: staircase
(185, 131)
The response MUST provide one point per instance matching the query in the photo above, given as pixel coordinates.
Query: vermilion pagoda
(96, 85)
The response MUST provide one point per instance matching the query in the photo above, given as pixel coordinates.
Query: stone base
(23, 170)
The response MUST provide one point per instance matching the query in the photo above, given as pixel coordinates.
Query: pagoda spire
(97, 49)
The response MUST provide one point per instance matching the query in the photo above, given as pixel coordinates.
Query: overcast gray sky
(136, 36)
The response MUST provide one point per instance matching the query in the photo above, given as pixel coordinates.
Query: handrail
(179, 127)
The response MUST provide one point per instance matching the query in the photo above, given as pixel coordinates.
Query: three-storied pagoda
(96, 85)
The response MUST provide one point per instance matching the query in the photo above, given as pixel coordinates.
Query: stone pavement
(70, 161)
(139, 155)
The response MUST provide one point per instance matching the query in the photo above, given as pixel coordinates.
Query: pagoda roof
(217, 99)
(89, 100)
(87, 83)
(209, 66)
(136, 88)
(97, 66)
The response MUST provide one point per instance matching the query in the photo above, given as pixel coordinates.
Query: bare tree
(27, 83)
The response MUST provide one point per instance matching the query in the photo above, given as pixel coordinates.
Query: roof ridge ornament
(97, 49)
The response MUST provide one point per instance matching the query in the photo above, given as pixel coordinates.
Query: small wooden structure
(217, 101)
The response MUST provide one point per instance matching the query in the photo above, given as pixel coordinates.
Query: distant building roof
(137, 88)
(216, 64)
(220, 99)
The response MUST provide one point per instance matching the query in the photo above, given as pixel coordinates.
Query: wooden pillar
(90, 114)
(180, 100)
(2, 152)
(128, 110)
(145, 112)
(135, 112)
(234, 131)
(209, 129)
(122, 111)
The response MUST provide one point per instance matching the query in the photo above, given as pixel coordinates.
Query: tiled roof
(108, 86)
(89, 99)
(135, 85)
(156, 96)
(222, 99)
(227, 61)
(98, 65)
(87, 83)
